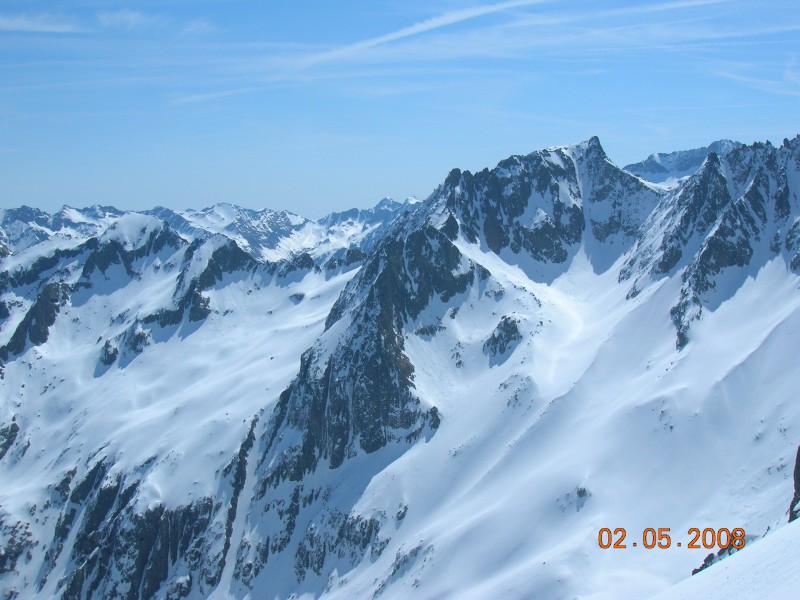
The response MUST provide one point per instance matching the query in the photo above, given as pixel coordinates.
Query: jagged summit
(387, 203)
(592, 145)
(539, 207)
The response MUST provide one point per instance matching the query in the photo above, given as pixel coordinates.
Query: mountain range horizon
(652, 161)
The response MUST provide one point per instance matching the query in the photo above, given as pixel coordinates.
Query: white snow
(766, 569)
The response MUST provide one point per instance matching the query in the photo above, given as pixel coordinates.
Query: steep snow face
(438, 399)
(670, 168)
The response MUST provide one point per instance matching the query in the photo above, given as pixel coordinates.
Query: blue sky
(314, 105)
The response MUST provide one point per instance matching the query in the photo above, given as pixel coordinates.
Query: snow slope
(761, 573)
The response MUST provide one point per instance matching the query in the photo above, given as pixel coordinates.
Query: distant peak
(593, 145)
(453, 178)
(711, 164)
(589, 148)
(661, 167)
(387, 202)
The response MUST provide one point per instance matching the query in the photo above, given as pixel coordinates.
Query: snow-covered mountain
(437, 399)
(272, 236)
(670, 167)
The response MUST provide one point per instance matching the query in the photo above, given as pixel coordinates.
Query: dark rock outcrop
(794, 505)
(124, 550)
(712, 558)
(17, 542)
(108, 253)
(542, 204)
(505, 337)
(8, 435)
(35, 326)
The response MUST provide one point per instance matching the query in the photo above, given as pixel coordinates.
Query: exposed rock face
(504, 338)
(115, 537)
(122, 549)
(105, 254)
(8, 435)
(519, 205)
(794, 505)
(44, 267)
(18, 542)
(712, 558)
(543, 203)
(35, 326)
(253, 230)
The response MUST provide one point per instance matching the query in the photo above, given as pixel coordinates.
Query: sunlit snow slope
(445, 399)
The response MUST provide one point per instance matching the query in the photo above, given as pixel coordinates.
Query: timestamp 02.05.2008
(707, 538)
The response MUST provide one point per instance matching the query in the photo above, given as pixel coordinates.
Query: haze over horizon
(316, 108)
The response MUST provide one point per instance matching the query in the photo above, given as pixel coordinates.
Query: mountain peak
(670, 167)
(387, 203)
(594, 148)
(591, 148)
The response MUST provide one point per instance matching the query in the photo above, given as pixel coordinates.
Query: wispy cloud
(784, 87)
(128, 19)
(198, 27)
(438, 22)
(505, 40)
(791, 73)
(607, 13)
(37, 24)
(547, 30)
(204, 97)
